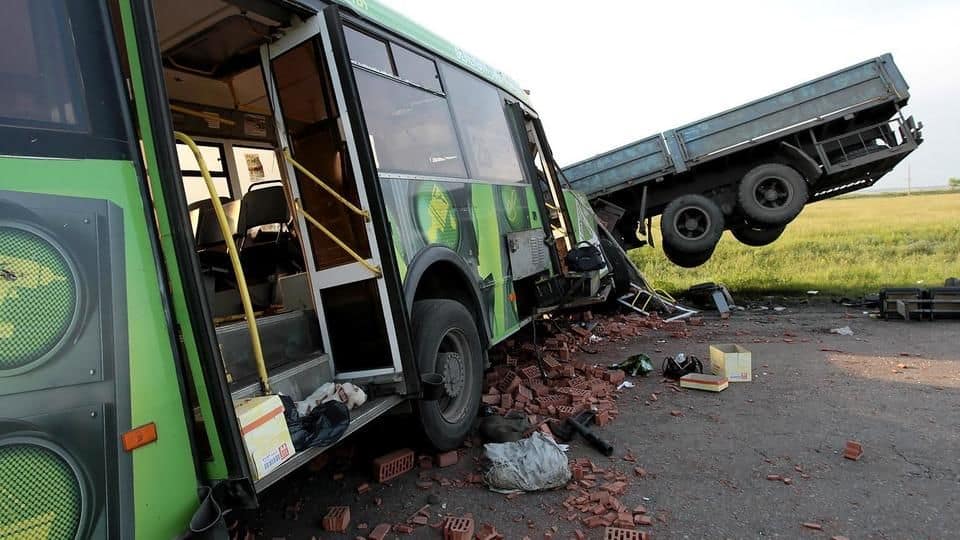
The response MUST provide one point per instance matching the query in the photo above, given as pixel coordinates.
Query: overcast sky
(603, 74)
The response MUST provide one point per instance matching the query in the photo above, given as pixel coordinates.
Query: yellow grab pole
(375, 269)
(234, 261)
(325, 187)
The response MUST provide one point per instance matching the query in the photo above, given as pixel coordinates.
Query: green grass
(844, 247)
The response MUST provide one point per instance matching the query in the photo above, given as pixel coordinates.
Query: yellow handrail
(373, 268)
(325, 187)
(234, 261)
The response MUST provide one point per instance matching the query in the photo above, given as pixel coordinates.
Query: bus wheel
(687, 260)
(772, 194)
(446, 342)
(757, 236)
(691, 224)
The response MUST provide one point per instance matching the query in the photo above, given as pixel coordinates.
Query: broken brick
(774, 477)
(508, 383)
(379, 532)
(403, 528)
(642, 520)
(676, 413)
(813, 526)
(363, 488)
(337, 519)
(389, 466)
(506, 402)
(490, 399)
(447, 459)
(853, 450)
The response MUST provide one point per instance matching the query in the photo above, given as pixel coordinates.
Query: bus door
(549, 192)
(337, 202)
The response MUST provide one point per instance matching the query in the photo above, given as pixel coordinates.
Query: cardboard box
(731, 361)
(265, 433)
(702, 381)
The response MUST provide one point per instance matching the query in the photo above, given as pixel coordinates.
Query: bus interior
(218, 96)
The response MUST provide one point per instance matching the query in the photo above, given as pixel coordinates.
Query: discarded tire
(772, 194)
(691, 224)
(687, 260)
(757, 236)
(446, 341)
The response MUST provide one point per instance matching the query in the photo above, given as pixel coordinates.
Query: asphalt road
(893, 386)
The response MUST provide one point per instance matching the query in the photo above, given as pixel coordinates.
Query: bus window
(417, 69)
(368, 51)
(411, 129)
(59, 91)
(39, 70)
(193, 184)
(480, 115)
(255, 165)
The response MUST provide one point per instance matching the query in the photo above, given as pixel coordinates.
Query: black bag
(674, 368)
(586, 257)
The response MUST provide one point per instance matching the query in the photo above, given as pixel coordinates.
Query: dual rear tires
(768, 197)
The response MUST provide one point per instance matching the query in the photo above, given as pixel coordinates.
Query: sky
(603, 74)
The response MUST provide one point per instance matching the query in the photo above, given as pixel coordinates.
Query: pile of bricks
(594, 498)
(572, 384)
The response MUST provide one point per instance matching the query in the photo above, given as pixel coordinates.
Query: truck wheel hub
(453, 373)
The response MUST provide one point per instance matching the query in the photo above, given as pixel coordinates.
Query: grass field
(840, 247)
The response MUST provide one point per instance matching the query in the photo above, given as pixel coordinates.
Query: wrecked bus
(206, 205)
(753, 168)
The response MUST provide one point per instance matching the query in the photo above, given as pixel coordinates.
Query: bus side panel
(471, 219)
(113, 372)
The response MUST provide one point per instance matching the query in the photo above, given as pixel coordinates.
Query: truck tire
(691, 224)
(772, 194)
(446, 341)
(687, 260)
(757, 236)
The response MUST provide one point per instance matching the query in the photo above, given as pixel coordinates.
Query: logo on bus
(437, 216)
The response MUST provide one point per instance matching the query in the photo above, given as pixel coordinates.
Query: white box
(731, 361)
(265, 433)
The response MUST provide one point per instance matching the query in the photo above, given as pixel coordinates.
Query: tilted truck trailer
(751, 169)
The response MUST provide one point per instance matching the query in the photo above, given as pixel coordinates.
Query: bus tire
(772, 194)
(757, 236)
(691, 224)
(446, 341)
(687, 260)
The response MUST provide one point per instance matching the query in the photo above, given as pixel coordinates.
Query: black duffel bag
(586, 257)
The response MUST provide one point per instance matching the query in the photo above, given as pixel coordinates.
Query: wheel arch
(441, 273)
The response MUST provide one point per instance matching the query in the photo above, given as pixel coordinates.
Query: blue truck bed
(863, 86)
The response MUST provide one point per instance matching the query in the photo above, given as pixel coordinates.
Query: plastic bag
(532, 464)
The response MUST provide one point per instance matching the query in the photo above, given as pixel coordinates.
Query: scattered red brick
(617, 533)
(488, 532)
(853, 450)
(379, 532)
(337, 519)
(641, 519)
(403, 528)
(812, 525)
(676, 413)
(640, 471)
(460, 528)
(447, 459)
(774, 477)
(363, 488)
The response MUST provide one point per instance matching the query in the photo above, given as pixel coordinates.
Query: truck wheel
(772, 194)
(446, 341)
(691, 224)
(687, 260)
(756, 236)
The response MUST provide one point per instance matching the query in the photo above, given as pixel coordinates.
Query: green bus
(208, 201)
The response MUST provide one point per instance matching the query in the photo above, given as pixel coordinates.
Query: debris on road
(813, 526)
(337, 519)
(732, 361)
(842, 331)
(853, 451)
(533, 464)
(392, 465)
(700, 381)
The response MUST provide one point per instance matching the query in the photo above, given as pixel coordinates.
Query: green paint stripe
(216, 468)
